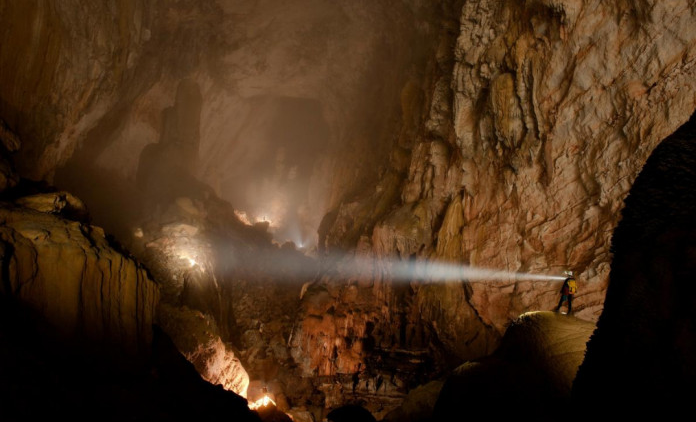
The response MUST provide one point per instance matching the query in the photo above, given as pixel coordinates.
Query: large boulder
(529, 376)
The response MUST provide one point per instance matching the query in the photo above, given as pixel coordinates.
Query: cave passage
(276, 152)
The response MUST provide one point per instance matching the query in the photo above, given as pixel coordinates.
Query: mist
(287, 111)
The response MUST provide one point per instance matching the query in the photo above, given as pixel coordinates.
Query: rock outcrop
(644, 349)
(44, 376)
(77, 312)
(68, 272)
(532, 372)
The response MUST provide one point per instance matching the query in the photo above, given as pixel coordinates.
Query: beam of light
(425, 271)
(293, 266)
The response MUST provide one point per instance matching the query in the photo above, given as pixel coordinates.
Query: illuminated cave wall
(554, 108)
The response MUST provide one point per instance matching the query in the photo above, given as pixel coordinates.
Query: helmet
(568, 273)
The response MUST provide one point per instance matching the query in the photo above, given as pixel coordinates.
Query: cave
(345, 210)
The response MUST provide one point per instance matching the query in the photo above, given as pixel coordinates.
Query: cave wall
(62, 66)
(555, 106)
(65, 271)
(256, 63)
(507, 137)
(356, 67)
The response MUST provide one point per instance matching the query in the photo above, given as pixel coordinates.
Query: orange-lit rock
(197, 337)
(70, 274)
(501, 134)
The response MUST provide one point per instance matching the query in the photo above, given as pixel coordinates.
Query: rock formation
(418, 405)
(44, 376)
(69, 272)
(532, 372)
(645, 344)
(523, 165)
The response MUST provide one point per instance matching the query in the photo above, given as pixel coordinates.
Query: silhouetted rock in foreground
(43, 376)
(350, 413)
(529, 376)
(643, 354)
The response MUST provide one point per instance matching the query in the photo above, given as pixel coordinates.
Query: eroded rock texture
(523, 164)
(63, 65)
(502, 134)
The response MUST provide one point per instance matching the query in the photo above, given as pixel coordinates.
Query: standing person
(568, 290)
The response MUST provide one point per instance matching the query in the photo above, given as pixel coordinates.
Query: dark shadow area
(45, 376)
(643, 353)
(350, 413)
(529, 377)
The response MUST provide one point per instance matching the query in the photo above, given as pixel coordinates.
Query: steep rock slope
(43, 375)
(62, 66)
(507, 138)
(77, 314)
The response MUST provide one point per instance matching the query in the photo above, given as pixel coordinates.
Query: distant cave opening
(275, 168)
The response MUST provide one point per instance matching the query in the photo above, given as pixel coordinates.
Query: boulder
(529, 376)
(418, 404)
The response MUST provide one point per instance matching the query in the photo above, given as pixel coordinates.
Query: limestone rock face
(501, 134)
(288, 93)
(553, 109)
(556, 107)
(68, 273)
